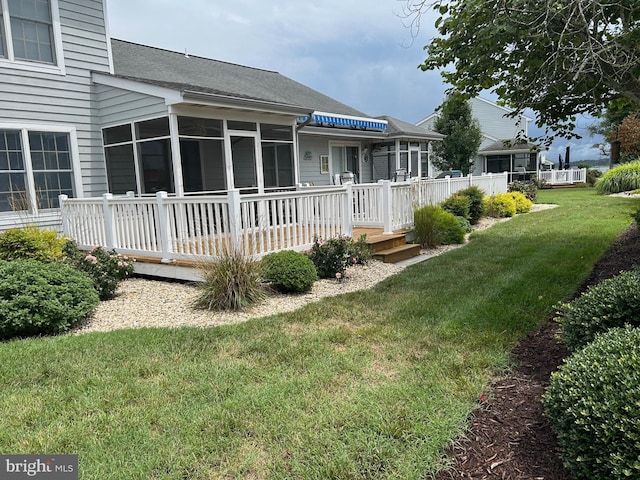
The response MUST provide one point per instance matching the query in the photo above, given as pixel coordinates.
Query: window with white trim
(34, 172)
(27, 31)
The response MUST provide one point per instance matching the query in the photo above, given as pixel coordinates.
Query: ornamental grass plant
(622, 178)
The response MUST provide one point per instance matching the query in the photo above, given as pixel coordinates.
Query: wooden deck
(389, 248)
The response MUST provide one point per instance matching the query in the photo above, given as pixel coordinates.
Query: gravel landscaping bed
(141, 302)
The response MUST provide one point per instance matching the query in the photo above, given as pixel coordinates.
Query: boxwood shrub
(614, 302)
(593, 402)
(289, 271)
(457, 204)
(38, 298)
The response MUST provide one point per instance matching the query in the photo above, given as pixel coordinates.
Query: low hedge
(38, 298)
(614, 302)
(593, 402)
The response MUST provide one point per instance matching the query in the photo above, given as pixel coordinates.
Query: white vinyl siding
(117, 106)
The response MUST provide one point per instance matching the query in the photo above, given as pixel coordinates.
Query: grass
(371, 384)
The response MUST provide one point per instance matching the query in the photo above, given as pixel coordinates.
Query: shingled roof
(399, 128)
(191, 73)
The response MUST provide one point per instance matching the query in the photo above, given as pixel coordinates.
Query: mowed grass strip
(372, 384)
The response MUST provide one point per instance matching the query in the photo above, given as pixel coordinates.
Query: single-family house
(504, 146)
(82, 114)
(171, 155)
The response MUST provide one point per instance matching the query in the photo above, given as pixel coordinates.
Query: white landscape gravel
(142, 302)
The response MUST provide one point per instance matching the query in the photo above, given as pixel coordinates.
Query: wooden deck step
(398, 253)
(385, 242)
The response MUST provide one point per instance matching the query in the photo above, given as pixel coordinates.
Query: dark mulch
(509, 437)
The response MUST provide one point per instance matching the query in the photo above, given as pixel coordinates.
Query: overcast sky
(359, 52)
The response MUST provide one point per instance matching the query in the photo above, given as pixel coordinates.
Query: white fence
(555, 177)
(194, 228)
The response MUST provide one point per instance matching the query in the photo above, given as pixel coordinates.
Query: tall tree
(558, 57)
(628, 134)
(459, 148)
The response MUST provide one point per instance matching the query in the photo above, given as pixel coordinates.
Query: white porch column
(347, 220)
(109, 221)
(235, 219)
(176, 157)
(164, 228)
(387, 206)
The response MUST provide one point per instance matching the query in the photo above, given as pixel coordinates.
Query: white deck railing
(193, 228)
(555, 177)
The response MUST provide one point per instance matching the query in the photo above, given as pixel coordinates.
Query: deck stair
(391, 248)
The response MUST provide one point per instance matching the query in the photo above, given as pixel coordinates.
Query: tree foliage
(462, 135)
(629, 136)
(558, 57)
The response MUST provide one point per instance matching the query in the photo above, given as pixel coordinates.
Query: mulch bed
(509, 437)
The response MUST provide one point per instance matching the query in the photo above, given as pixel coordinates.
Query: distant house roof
(193, 74)
(509, 146)
(398, 129)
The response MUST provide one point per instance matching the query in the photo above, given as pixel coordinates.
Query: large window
(142, 152)
(50, 173)
(277, 155)
(27, 31)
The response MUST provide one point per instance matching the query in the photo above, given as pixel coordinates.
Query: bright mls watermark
(45, 467)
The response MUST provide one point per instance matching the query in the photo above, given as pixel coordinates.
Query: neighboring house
(502, 148)
(82, 114)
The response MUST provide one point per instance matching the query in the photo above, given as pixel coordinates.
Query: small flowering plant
(106, 268)
(333, 256)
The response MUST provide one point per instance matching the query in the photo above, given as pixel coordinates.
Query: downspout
(306, 122)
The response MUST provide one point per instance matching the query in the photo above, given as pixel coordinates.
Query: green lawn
(371, 384)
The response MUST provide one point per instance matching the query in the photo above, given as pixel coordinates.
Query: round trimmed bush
(614, 302)
(523, 204)
(457, 204)
(39, 298)
(31, 242)
(500, 205)
(593, 402)
(289, 271)
(476, 206)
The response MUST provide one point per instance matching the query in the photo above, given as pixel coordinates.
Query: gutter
(306, 122)
(247, 103)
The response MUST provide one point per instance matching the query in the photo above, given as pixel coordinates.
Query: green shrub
(332, 257)
(523, 204)
(592, 176)
(289, 271)
(31, 242)
(636, 217)
(614, 302)
(38, 298)
(500, 205)
(433, 226)
(231, 282)
(593, 402)
(105, 267)
(528, 188)
(457, 204)
(623, 178)
(465, 224)
(476, 206)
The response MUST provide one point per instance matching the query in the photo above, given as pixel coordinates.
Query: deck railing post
(63, 218)
(235, 218)
(164, 225)
(387, 207)
(109, 221)
(347, 215)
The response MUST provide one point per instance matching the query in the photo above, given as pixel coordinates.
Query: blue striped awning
(344, 121)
